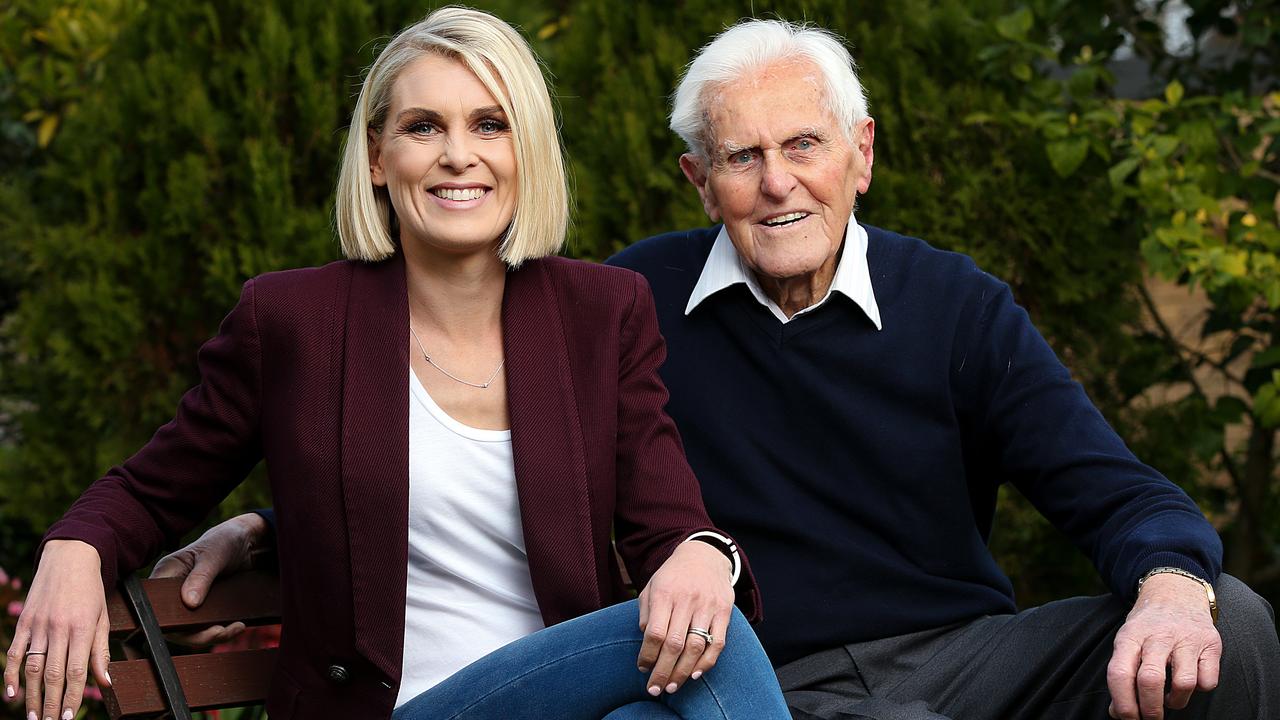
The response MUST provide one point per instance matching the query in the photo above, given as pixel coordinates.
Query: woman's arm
(659, 505)
(133, 512)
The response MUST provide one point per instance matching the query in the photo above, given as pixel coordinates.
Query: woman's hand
(690, 590)
(62, 632)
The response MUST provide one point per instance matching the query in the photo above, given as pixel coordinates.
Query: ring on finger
(702, 633)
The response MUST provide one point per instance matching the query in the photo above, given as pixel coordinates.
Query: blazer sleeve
(659, 503)
(147, 503)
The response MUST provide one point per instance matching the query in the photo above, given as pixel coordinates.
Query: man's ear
(864, 145)
(695, 169)
(375, 160)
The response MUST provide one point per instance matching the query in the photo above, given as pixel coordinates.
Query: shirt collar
(724, 268)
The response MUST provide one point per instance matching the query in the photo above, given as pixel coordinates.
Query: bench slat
(210, 681)
(252, 597)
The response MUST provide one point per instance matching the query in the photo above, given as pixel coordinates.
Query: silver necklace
(450, 375)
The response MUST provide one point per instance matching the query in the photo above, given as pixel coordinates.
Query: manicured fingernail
(654, 690)
(696, 674)
(672, 687)
(67, 714)
(104, 672)
(32, 715)
(9, 692)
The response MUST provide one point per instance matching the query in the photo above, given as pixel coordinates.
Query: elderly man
(852, 399)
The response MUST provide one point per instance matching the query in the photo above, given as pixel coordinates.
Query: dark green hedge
(194, 144)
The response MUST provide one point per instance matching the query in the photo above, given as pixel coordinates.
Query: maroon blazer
(310, 372)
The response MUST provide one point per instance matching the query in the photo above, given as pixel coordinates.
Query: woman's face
(446, 157)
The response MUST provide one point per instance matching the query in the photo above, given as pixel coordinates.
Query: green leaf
(1105, 117)
(1272, 292)
(1229, 409)
(1267, 358)
(1056, 130)
(1021, 71)
(1067, 155)
(978, 118)
(48, 126)
(1266, 405)
(1122, 170)
(1235, 264)
(991, 52)
(1164, 145)
(1015, 25)
(1173, 93)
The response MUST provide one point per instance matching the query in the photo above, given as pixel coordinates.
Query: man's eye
(741, 158)
(804, 144)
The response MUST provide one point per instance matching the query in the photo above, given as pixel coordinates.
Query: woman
(453, 424)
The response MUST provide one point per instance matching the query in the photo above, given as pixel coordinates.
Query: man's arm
(1049, 440)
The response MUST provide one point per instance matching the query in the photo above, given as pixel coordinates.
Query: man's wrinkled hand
(224, 549)
(1169, 635)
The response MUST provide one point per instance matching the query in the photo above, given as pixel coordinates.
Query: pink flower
(4, 577)
(16, 583)
(15, 608)
(91, 692)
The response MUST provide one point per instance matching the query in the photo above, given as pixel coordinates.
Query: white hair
(753, 45)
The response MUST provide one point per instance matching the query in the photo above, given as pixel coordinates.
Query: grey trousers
(1046, 663)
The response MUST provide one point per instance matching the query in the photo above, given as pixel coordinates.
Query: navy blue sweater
(859, 468)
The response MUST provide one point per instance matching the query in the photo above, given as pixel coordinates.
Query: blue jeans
(586, 668)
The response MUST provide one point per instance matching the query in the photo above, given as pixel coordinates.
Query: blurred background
(1114, 160)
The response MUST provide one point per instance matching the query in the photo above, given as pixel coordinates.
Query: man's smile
(784, 219)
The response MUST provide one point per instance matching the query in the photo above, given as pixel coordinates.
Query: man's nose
(458, 152)
(777, 180)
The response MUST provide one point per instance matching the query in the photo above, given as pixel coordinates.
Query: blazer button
(338, 674)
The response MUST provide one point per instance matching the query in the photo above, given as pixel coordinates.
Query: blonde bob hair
(503, 62)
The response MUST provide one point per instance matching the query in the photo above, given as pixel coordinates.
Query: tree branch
(1227, 462)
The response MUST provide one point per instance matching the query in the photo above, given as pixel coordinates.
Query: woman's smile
(454, 196)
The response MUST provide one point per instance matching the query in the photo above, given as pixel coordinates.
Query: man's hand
(690, 590)
(1168, 628)
(224, 548)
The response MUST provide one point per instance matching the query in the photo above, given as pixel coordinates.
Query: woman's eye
(491, 127)
(421, 128)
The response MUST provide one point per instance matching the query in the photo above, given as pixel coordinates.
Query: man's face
(782, 176)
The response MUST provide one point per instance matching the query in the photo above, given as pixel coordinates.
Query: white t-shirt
(469, 590)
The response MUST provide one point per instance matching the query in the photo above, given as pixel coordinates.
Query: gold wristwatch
(1208, 587)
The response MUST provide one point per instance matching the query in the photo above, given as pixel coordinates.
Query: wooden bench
(162, 685)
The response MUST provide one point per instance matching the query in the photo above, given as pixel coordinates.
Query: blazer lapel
(375, 458)
(547, 445)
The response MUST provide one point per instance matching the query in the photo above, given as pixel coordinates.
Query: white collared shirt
(725, 268)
